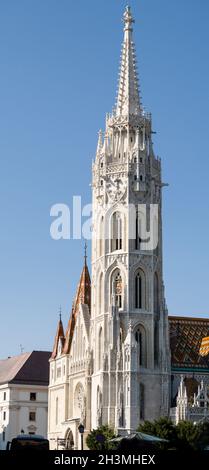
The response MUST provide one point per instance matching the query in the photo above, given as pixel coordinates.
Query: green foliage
(163, 428)
(184, 436)
(188, 435)
(203, 439)
(98, 439)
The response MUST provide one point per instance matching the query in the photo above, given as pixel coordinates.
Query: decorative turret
(59, 338)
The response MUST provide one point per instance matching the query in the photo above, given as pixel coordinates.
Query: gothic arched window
(138, 290)
(116, 232)
(117, 288)
(140, 338)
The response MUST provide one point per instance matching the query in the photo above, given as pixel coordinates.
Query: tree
(203, 439)
(188, 435)
(163, 428)
(98, 439)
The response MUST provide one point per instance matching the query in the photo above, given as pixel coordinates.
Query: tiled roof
(83, 296)
(186, 334)
(28, 368)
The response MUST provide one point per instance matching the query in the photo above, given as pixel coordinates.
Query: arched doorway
(69, 440)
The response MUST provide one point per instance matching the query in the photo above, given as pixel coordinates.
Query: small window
(119, 155)
(4, 415)
(131, 139)
(135, 177)
(5, 396)
(141, 160)
(135, 160)
(32, 416)
(32, 396)
(141, 178)
(124, 154)
(101, 182)
(101, 165)
(31, 433)
(3, 436)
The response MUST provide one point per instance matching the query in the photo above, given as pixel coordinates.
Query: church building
(112, 365)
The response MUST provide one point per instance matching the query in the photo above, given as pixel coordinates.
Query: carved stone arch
(69, 440)
(140, 286)
(120, 209)
(108, 282)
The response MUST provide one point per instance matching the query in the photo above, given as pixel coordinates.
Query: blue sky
(59, 63)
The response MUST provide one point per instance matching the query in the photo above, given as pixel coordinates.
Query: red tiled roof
(186, 334)
(83, 296)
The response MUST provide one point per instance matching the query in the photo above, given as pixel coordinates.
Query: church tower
(129, 322)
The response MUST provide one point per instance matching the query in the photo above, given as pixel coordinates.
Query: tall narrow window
(116, 229)
(117, 289)
(140, 338)
(138, 291)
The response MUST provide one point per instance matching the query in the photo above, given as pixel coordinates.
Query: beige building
(23, 395)
(113, 363)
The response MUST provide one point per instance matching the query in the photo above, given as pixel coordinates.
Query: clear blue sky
(58, 73)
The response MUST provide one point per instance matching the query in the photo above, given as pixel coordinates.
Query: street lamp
(81, 431)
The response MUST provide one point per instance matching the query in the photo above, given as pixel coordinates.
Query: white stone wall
(18, 406)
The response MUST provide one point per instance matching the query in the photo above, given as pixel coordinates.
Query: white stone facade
(124, 369)
(197, 410)
(19, 411)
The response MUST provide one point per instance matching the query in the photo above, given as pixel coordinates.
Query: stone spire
(128, 100)
(59, 337)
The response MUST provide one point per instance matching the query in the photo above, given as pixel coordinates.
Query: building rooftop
(28, 368)
(186, 334)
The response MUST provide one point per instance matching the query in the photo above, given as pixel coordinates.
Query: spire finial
(60, 313)
(128, 99)
(128, 19)
(85, 253)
